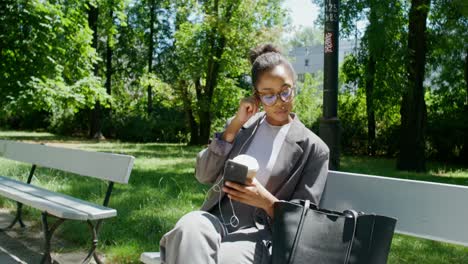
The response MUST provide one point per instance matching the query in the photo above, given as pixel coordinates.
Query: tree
(46, 61)
(96, 122)
(211, 52)
(447, 94)
(306, 37)
(413, 106)
(379, 56)
(152, 7)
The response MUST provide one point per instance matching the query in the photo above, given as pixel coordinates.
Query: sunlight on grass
(162, 188)
(13, 134)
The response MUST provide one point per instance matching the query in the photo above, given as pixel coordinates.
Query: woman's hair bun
(262, 49)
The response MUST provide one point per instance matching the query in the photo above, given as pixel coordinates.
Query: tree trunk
(466, 77)
(370, 83)
(150, 55)
(109, 53)
(413, 107)
(187, 103)
(464, 151)
(217, 42)
(96, 122)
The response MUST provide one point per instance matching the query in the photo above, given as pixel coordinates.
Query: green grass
(162, 188)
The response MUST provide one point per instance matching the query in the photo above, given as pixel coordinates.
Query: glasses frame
(277, 95)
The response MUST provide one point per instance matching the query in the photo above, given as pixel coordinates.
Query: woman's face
(276, 82)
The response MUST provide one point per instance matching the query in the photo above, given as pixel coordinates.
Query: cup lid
(248, 161)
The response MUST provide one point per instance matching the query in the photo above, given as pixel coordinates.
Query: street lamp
(329, 129)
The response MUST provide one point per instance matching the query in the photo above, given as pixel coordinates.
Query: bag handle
(299, 231)
(347, 213)
(354, 215)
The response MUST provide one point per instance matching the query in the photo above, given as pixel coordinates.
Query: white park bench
(426, 210)
(114, 168)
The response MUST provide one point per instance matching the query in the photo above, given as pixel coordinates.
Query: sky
(303, 12)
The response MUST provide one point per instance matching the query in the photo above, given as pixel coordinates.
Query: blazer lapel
(246, 135)
(288, 156)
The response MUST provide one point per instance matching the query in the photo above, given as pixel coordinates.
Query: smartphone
(235, 172)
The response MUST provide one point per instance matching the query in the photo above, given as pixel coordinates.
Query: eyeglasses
(270, 99)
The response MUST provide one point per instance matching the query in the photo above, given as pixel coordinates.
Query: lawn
(162, 188)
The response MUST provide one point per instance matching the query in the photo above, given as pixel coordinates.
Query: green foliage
(353, 114)
(225, 102)
(200, 66)
(447, 97)
(165, 125)
(129, 120)
(308, 101)
(46, 60)
(306, 36)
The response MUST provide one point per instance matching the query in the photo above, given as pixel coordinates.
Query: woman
(233, 225)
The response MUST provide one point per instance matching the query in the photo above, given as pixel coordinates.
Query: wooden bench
(424, 209)
(113, 168)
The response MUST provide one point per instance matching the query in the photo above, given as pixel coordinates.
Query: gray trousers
(200, 238)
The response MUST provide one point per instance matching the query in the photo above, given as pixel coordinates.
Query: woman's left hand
(253, 193)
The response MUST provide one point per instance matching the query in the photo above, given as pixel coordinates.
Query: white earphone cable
(233, 220)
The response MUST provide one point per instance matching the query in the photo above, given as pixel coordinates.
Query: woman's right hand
(247, 108)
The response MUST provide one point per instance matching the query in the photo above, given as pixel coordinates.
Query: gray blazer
(300, 171)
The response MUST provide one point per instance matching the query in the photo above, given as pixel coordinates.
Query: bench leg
(92, 251)
(48, 232)
(18, 219)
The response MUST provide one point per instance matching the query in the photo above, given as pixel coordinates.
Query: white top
(265, 148)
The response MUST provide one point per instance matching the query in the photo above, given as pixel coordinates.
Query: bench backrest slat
(106, 166)
(423, 209)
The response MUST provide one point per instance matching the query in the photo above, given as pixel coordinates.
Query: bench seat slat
(57, 204)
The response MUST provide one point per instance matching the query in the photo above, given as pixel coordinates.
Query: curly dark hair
(264, 58)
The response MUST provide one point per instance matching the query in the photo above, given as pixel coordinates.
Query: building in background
(310, 59)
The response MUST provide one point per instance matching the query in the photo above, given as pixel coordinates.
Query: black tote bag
(303, 233)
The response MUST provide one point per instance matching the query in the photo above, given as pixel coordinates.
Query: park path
(20, 245)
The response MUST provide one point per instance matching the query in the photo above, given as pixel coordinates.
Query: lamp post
(329, 129)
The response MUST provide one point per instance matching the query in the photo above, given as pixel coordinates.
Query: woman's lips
(281, 111)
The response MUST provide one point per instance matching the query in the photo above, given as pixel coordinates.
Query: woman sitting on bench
(233, 225)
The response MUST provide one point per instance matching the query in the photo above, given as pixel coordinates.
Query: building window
(307, 62)
(300, 77)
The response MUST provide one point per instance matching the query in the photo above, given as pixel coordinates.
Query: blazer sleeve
(210, 161)
(313, 178)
